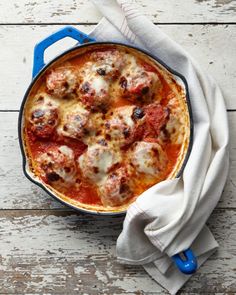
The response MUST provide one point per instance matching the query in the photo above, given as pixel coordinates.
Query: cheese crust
(104, 124)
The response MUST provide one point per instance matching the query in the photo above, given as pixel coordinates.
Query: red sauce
(40, 145)
(86, 194)
(156, 118)
(172, 151)
(165, 91)
(121, 102)
(148, 67)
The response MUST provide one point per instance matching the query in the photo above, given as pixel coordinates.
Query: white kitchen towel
(170, 217)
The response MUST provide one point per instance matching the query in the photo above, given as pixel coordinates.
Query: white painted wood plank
(17, 192)
(206, 43)
(63, 253)
(60, 252)
(16, 59)
(30, 11)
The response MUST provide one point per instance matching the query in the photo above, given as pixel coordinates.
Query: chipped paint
(46, 248)
(54, 251)
(71, 11)
(225, 5)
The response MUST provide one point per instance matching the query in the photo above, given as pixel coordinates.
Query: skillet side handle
(68, 31)
(188, 266)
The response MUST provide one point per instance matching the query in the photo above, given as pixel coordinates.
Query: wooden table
(48, 248)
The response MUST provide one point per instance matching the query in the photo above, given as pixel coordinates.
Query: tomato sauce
(121, 102)
(86, 194)
(40, 145)
(172, 151)
(165, 91)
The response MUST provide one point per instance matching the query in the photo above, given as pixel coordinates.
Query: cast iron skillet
(187, 265)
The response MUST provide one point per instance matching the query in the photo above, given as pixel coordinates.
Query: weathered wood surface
(45, 248)
(60, 252)
(17, 192)
(206, 43)
(72, 11)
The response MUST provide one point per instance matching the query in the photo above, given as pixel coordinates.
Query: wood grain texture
(72, 11)
(206, 43)
(17, 192)
(45, 248)
(65, 253)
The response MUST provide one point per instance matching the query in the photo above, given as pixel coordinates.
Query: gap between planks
(204, 43)
(66, 211)
(71, 11)
(53, 253)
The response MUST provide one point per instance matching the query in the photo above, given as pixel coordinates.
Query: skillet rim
(35, 78)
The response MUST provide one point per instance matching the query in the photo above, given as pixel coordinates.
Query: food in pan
(103, 126)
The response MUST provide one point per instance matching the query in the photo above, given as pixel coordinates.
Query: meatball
(74, 122)
(94, 90)
(96, 162)
(120, 125)
(97, 76)
(57, 165)
(156, 118)
(108, 63)
(148, 158)
(62, 82)
(136, 83)
(116, 188)
(44, 116)
(95, 94)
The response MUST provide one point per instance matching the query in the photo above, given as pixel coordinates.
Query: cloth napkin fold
(170, 217)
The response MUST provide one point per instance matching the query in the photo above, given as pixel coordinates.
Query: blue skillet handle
(39, 49)
(188, 266)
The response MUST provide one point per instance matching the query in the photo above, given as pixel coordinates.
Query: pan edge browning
(181, 92)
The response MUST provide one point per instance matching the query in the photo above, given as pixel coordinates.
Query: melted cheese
(176, 125)
(125, 115)
(74, 121)
(44, 102)
(117, 188)
(59, 161)
(137, 76)
(148, 158)
(99, 84)
(96, 162)
(68, 152)
(119, 123)
(43, 115)
(110, 62)
(62, 81)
